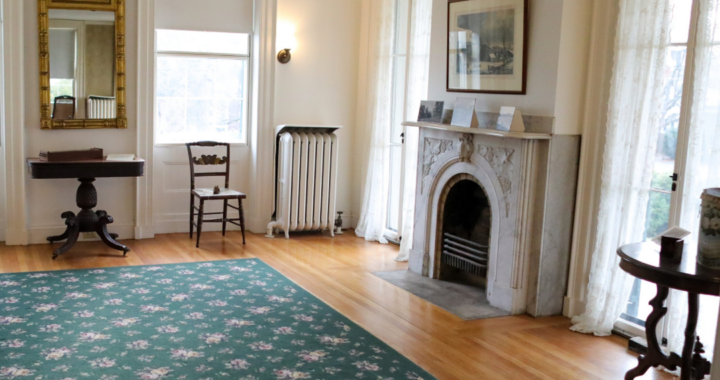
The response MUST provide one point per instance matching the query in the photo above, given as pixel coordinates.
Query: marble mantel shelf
(481, 131)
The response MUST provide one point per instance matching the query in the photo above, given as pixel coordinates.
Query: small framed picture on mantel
(431, 111)
(487, 46)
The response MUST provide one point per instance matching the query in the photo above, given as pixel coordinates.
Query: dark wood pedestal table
(86, 220)
(643, 261)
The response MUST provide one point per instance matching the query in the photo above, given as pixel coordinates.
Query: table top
(643, 261)
(40, 169)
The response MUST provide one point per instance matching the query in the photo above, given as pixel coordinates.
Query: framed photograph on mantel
(487, 46)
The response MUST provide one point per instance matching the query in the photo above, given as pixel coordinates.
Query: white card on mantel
(510, 120)
(464, 113)
(120, 157)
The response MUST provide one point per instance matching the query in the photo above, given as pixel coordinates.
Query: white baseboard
(16, 237)
(258, 226)
(174, 226)
(144, 232)
(39, 234)
(573, 307)
(351, 221)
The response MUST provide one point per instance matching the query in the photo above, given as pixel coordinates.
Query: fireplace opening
(465, 234)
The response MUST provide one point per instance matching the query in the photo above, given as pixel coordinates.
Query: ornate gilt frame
(118, 6)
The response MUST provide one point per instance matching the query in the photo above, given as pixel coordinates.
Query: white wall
(47, 199)
(320, 84)
(557, 57)
(233, 16)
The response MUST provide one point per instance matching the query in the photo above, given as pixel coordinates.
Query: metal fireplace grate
(464, 254)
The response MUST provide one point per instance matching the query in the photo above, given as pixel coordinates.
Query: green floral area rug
(236, 319)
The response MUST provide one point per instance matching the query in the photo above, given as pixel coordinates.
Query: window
(658, 211)
(676, 160)
(201, 86)
(61, 87)
(399, 59)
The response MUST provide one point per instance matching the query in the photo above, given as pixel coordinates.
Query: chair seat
(223, 194)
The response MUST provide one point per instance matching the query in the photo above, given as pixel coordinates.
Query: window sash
(242, 139)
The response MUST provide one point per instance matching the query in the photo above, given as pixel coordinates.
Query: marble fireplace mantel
(530, 180)
(481, 131)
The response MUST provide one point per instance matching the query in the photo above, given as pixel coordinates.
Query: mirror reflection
(82, 64)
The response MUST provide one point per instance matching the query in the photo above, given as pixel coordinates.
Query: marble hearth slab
(464, 301)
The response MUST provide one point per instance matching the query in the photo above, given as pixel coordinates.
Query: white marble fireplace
(529, 180)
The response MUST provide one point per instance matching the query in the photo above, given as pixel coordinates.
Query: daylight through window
(201, 86)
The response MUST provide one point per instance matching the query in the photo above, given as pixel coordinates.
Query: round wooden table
(643, 261)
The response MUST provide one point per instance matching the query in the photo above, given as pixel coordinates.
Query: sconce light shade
(284, 56)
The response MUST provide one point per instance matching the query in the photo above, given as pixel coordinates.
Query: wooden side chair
(64, 108)
(203, 195)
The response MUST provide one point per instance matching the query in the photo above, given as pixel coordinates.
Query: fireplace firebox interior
(466, 227)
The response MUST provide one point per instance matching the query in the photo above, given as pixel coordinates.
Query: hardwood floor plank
(339, 271)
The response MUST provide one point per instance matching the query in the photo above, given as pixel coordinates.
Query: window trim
(247, 89)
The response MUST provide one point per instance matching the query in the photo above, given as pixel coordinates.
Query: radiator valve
(339, 223)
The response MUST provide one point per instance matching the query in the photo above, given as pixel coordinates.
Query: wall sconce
(284, 56)
(286, 41)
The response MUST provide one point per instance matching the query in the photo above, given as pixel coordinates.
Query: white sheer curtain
(373, 216)
(633, 116)
(702, 167)
(418, 68)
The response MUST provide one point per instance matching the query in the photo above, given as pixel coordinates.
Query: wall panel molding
(144, 223)
(13, 123)
(261, 136)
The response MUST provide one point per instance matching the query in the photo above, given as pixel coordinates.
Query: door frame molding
(261, 136)
(13, 123)
(144, 212)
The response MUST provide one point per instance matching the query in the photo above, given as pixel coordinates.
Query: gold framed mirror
(82, 64)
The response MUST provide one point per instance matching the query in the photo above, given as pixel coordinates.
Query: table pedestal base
(693, 365)
(86, 220)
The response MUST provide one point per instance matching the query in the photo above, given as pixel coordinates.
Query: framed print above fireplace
(487, 46)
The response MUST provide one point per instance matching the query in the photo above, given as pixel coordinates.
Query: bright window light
(201, 87)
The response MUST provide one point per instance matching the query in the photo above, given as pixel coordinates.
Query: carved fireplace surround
(530, 181)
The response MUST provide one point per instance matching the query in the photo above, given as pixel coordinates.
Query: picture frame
(431, 111)
(46, 103)
(487, 47)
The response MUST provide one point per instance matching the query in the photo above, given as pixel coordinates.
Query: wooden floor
(339, 272)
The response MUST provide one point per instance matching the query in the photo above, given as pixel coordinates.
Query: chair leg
(192, 213)
(200, 222)
(242, 219)
(225, 203)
